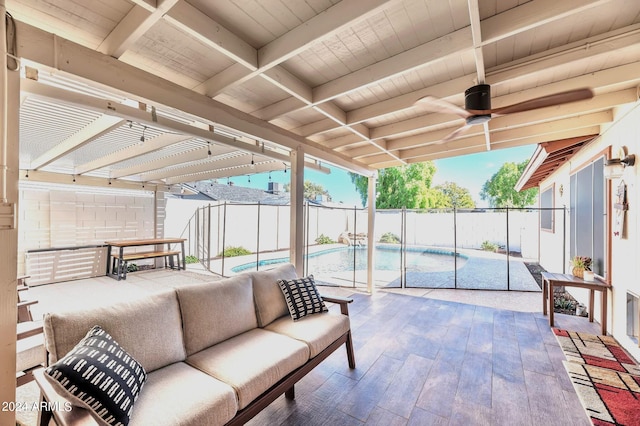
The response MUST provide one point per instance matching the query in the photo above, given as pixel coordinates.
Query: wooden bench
(120, 264)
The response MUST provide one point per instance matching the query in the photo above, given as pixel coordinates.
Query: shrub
(323, 239)
(132, 267)
(191, 259)
(389, 237)
(234, 251)
(489, 246)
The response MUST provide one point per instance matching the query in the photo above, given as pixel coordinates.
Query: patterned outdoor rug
(606, 379)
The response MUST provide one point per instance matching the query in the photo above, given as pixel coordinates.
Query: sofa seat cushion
(269, 300)
(215, 311)
(179, 394)
(317, 331)
(251, 362)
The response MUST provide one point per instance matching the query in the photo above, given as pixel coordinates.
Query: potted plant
(580, 264)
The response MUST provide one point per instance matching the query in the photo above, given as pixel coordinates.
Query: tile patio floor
(450, 357)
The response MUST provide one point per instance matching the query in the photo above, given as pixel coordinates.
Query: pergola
(153, 93)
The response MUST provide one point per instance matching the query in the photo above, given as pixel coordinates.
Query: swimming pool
(419, 259)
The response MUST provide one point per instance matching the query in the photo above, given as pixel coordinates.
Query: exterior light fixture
(614, 167)
(144, 129)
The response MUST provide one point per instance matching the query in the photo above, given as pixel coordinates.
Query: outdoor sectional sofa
(211, 353)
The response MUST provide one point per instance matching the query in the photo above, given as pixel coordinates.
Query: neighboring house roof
(238, 194)
(235, 194)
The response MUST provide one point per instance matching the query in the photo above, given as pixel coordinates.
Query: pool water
(387, 259)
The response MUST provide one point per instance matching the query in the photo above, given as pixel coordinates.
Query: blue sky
(468, 171)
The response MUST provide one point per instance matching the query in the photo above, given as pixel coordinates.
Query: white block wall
(71, 215)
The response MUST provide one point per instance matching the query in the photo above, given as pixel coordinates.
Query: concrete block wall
(70, 215)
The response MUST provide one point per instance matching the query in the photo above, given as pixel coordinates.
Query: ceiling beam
(497, 137)
(204, 28)
(132, 151)
(531, 15)
(612, 78)
(453, 90)
(39, 46)
(212, 34)
(477, 145)
(326, 24)
(226, 173)
(99, 127)
(510, 23)
(426, 54)
(132, 27)
(52, 177)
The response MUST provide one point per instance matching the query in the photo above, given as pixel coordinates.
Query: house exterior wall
(623, 269)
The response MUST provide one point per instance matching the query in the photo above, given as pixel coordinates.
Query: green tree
(311, 190)
(455, 196)
(402, 186)
(500, 192)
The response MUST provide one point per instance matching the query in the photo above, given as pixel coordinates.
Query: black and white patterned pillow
(302, 297)
(99, 375)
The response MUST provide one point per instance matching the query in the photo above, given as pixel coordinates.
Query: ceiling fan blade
(440, 105)
(455, 134)
(546, 101)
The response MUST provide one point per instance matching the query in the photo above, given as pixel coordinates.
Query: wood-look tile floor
(442, 357)
(424, 361)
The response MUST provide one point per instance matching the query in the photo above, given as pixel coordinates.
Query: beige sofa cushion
(251, 362)
(179, 394)
(270, 303)
(213, 312)
(149, 328)
(318, 331)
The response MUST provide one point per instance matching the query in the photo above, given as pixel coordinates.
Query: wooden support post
(371, 243)
(296, 236)
(9, 128)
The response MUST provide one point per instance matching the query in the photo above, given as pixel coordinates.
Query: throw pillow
(99, 375)
(302, 297)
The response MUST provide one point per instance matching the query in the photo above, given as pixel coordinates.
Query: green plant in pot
(580, 264)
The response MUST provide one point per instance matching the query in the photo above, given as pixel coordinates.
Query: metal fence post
(355, 238)
(564, 240)
(305, 259)
(258, 240)
(224, 234)
(403, 247)
(508, 251)
(455, 247)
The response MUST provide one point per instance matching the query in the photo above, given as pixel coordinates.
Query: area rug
(605, 377)
(609, 397)
(599, 351)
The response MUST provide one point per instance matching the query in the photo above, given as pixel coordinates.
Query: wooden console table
(119, 270)
(551, 280)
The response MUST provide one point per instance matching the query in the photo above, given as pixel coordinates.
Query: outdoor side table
(551, 280)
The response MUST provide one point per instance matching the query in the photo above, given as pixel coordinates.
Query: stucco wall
(624, 268)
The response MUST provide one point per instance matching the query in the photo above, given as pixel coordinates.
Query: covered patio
(142, 96)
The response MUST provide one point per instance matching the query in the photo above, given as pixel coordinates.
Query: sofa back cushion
(148, 328)
(270, 302)
(213, 312)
